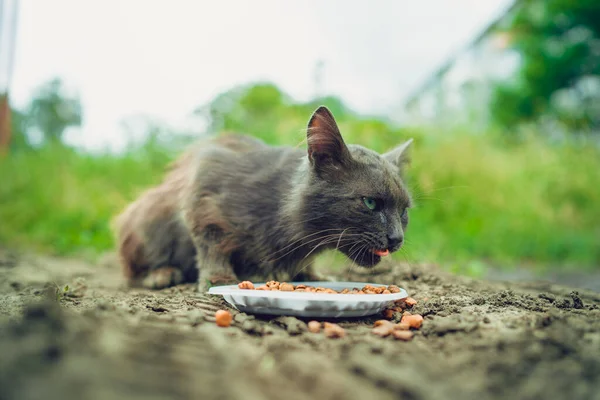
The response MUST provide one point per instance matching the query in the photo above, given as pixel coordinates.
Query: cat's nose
(394, 242)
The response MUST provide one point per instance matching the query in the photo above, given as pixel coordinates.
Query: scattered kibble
(402, 326)
(314, 326)
(334, 331)
(246, 285)
(414, 321)
(410, 302)
(400, 331)
(388, 313)
(383, 330)
(223, 318)
(403, 335)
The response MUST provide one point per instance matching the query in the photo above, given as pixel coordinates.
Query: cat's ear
(399, 156)
(326, 148)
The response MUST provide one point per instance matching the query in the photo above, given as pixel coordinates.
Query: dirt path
(480, 340)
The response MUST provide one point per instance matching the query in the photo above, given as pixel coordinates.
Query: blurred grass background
(480, 197)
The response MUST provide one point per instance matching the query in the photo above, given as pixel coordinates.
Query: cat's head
(355, 198)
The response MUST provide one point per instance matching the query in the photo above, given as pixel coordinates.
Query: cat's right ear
(326, 148)
(399, 156)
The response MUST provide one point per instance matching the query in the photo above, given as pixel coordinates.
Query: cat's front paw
(161, 278)
(206, 282)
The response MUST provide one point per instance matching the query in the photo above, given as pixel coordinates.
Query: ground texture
(101, 340)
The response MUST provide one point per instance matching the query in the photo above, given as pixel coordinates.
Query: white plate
(308, 304)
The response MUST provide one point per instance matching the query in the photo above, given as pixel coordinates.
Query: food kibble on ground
(398, 306)
(410, 302)
(334, 331)
(331, 330)
(288, 287)
(400, 331)
(403, 335)
(388, 313)
(223, 318)
(414, 321)
(314, 326)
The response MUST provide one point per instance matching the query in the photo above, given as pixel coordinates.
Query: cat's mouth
(380, 252)
(369, 257)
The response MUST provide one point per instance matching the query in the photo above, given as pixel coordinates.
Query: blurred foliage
(559, 44)
(478, 197)
(52, 111)
(18, 129)
(58, 200)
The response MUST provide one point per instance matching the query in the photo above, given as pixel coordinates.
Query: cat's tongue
(381, 253)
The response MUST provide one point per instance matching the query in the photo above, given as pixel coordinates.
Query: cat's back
(230, 156)
(238, 143)
(244, 175)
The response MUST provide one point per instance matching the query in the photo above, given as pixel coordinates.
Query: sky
(164, 59)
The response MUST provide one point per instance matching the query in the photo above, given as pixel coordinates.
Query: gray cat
(235, 208)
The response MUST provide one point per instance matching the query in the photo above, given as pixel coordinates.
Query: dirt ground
(101, 340)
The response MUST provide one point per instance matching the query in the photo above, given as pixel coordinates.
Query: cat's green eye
(372, 204)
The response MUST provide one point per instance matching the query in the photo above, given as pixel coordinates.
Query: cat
(234, 208)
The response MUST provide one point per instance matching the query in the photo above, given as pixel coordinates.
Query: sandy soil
(100, 340)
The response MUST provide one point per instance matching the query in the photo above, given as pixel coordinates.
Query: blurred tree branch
(559, 44)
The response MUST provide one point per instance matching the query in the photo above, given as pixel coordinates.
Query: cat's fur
(234, 208)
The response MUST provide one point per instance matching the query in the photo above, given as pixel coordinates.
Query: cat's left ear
(399, 156)
(326, 148)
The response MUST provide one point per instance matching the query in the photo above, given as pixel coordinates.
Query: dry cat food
(403, 335)
(400, 331)
(399, 306)
(223, 318)
(331, 330)
(288, 287)
(414, 321)
(314, 326)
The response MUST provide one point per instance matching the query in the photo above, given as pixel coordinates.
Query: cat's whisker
(325, 241)
(303, 268)
(405, 255)
(298, 240)
(423, 194)
(450, 187)
(361, 244)
(430, 198)
(363, 252)
(351, 253)
(333, 235)
(342, 234)
(349, 268)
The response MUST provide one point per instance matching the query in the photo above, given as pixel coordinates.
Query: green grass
(60, 201)
(503, 203)
(479, 198)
